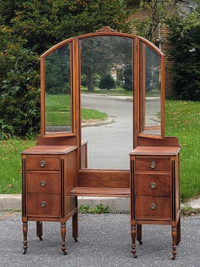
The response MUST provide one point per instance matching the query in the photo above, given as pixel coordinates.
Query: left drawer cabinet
(46, 177)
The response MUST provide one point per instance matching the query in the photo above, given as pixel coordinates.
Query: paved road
(104, 241)
(109, 145)
(111, 140)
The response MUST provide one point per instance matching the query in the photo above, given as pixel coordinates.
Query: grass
(119, 91)
(58, 112)
(182, 120)
(10, 164)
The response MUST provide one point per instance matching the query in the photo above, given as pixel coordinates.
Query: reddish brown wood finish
(46, 188)
(42, 163)
(144, 209)
(155, 189)
(152, 185)
(103, 178)
(51, 205)
(43, 182)
(100, 192)
(65, 172)
(147, 164)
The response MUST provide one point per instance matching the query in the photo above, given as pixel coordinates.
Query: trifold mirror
(80, 72)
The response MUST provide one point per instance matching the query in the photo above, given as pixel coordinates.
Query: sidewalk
(117, 205)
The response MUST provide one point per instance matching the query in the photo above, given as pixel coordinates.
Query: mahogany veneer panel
(34, 163)
(49, 149)
(143, 207)
(155, 151)
(51, 180)
(144, 164)
(100, 192)
(103, 178)
(143, 185)
(52, 208)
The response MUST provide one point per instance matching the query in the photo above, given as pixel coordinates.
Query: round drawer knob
(153, 206)
(152, 165)
(43, 183)
(42, 163)
(43, 204)
(153, 185)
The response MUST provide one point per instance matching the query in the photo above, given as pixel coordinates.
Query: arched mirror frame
(138, 99)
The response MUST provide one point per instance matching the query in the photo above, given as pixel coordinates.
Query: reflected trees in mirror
(58, 91)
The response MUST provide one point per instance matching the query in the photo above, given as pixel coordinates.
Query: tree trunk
(90, 83)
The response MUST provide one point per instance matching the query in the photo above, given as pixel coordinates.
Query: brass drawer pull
(153, 206)
(153, 165)
(153, 185)
(43, 204)
(43, 183)
(42, 163)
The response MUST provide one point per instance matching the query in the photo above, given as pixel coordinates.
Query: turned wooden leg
(179, 231)
(174, 241)
(39, 230)
(133, 235)
(75, 226)
(139, 233)
(63, 234)
(25, 231)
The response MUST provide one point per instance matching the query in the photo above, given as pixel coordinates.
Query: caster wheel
(173, 257)
(140, 242)
(75, 239)
(64, 252)
(24, 252)
(41, 239)
(135, 256)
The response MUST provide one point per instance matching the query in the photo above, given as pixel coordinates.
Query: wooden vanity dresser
(56, 171)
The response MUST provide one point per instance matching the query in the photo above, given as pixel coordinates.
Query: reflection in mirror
(152, 93)
(58, 91)
(106, 100)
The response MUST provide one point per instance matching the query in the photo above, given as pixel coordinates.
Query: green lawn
(182, 120)
(58, 112)
(119, 91)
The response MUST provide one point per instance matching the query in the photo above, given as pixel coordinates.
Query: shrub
(128, 78)
(107, 82)
(19, 96)
(185, 53)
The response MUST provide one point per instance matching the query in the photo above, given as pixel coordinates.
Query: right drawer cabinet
(155, 192)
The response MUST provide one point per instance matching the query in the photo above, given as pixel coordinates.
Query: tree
(100, 54)
(157, 13)
(185, 53)
(28, 28)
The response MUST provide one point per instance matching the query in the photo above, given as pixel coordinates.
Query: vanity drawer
(152, 207)
(152, 164)
(41, 182)
(44, 205)
(152, 185)
(42, 163)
